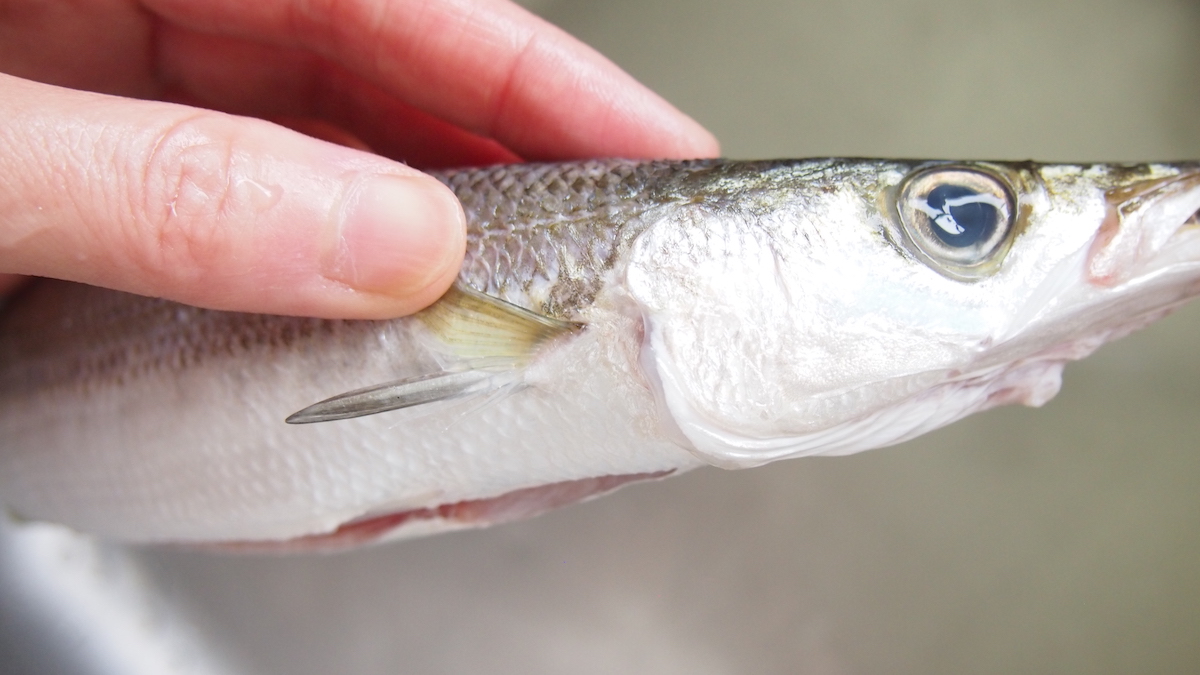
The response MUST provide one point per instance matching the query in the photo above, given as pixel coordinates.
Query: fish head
(829, 307)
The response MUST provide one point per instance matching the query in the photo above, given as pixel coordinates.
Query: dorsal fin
(487, 335)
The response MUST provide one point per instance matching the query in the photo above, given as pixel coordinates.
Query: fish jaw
(1140, 219)
(1139, 261)
(814, 328)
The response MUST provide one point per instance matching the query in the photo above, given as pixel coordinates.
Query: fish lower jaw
(1032, 383)
(1156, 217)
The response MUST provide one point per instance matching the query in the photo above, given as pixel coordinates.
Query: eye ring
(957, 219)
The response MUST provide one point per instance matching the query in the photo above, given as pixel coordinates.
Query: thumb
(215, 210)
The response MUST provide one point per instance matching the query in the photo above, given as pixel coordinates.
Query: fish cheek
(716, 318)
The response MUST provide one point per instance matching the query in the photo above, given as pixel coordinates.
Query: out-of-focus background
(1061, 540)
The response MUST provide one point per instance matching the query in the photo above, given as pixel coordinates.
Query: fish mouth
(1140, 219)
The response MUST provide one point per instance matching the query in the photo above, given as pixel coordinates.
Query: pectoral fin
(473, 326)
(489, 337)
(395, 395)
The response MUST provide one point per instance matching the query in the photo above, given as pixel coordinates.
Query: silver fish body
(614, 321)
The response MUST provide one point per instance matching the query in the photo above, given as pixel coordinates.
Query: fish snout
(1140, 219)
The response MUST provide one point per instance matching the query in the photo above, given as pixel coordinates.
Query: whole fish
(614, 321)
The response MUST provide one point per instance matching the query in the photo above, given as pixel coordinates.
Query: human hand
(117, 169)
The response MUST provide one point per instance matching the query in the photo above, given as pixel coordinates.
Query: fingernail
(396, 235)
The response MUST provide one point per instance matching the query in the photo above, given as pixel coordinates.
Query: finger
(99, 46)
(488, 67)
(323, 130)
(9, 283)
(275, 83)
(215, 210)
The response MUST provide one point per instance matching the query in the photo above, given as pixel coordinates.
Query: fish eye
(957, 219)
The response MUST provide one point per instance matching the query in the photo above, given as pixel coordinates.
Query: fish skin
(736, 313)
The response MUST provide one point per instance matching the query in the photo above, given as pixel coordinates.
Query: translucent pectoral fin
(471, 326)
(489, 340)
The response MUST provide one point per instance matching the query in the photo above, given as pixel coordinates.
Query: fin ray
(470, 325)
(404, 393)
(489, 339)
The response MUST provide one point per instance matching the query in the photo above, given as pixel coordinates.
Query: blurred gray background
(1060, 540)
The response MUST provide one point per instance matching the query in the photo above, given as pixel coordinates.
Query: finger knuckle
(190, 204)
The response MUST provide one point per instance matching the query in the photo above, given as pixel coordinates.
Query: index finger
(487, 66)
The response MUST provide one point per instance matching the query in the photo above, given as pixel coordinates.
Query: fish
(614, 321)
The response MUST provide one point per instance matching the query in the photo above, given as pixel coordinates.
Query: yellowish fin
(490, 336)
(475, 327)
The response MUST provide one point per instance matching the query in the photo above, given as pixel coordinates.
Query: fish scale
(543, 236)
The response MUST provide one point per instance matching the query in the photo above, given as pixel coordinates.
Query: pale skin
(264, 156)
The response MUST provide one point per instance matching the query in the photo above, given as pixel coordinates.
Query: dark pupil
(960, 224)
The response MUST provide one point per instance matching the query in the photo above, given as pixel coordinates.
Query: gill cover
(801, 328)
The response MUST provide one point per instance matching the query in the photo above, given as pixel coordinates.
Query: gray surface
(1058, 540)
